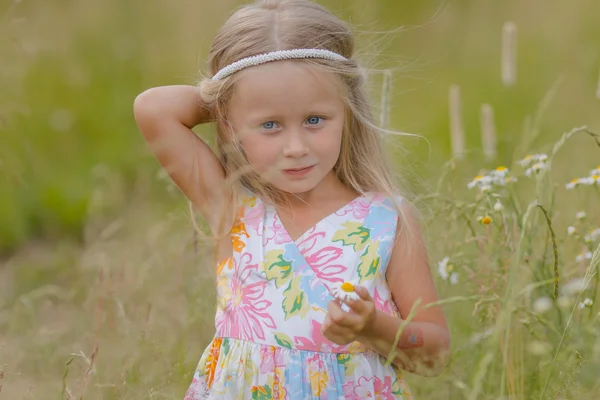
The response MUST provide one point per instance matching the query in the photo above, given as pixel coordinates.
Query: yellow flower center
(486, 220)
(595, 177)
(478, 177)
(529, 157)
(501, 168)
(575, 180)
(347, 287)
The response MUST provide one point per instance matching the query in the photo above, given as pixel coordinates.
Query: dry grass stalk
(457, 133)
(386, 90)
(488, 132)
(89, 370)
(509, 54)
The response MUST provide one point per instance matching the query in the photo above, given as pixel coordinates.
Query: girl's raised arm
(165, 116)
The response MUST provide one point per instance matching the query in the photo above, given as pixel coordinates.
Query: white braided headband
(294, 54)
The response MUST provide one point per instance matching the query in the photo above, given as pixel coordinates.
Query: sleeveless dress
(272, 297)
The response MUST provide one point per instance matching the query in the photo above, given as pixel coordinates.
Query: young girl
(320, 258)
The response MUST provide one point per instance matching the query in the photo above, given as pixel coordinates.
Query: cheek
(260, 151)
(329, 146)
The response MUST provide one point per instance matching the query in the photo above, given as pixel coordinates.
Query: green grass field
(106, 290)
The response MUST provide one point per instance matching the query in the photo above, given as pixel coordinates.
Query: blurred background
(70, 71)
(80, 193)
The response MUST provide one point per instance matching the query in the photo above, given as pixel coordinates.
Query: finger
(363, 306)
(363, 293)
(335, 312)
(339, 335)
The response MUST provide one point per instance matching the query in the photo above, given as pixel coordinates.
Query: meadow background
(106, 290)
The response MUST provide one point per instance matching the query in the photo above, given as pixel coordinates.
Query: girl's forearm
(423, 347)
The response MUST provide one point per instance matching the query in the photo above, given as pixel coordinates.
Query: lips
(298, 171)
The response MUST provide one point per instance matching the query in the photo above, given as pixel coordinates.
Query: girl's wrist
(369, 332)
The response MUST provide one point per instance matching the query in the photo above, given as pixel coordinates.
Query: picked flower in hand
(344, 293)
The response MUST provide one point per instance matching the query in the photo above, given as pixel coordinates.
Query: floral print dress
(272, 300)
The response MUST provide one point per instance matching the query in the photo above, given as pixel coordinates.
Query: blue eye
(268, 125)
(314, 120)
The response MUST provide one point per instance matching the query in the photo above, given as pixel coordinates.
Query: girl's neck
(329, 188)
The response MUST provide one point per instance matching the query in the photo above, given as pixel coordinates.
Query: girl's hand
(344, 327)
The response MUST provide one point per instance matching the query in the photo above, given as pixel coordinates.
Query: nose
(295, 144)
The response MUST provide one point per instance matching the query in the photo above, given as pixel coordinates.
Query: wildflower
(580, 215)
(571, 230)
(595, 171)
(573, 184)
(454, 278)
(542, 304)
(586, 303)
(535, 168)
(501, 170)
(499, 174)
(479, 181)
(485, 220)
(534, 163)
(584, 256)
(445, 268)
(592, 236)
(345, 292)
(498, 206)
(534, 158)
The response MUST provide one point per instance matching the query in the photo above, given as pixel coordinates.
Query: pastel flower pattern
(272, 295)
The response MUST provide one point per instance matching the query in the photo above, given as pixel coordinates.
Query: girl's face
(288, 118)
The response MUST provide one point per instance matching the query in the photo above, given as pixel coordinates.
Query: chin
(295, 188)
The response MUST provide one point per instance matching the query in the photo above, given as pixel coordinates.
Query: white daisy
(592, 236)
(345, 292)
(595, 171)
(454, 278)
(571, 230)
(573, 184)
(500, 171)
(586, 303)
(479, 181)
(583, 257)
(534, 158)
(535, 168)
(499, 175)
(498, 206)
(444, 269)
(588, 181)
(580, 215)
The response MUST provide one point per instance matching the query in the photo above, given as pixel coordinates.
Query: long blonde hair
(270, 25)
